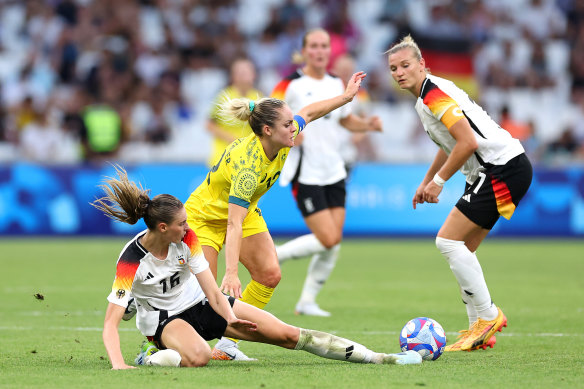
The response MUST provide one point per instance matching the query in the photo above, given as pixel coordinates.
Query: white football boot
(227, 350)
(311, 309)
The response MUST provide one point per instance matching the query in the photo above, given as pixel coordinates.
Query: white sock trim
(331, 346)
(303, 246)
(167, 357)
(468, 272)
(319, 271)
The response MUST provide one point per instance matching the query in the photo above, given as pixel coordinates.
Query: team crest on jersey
(181, 260)
(121, 293)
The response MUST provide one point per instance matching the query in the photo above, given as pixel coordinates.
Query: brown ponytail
(128, 202)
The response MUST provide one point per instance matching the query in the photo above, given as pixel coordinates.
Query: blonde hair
(257, 113)
(406, 43)
(128, 202)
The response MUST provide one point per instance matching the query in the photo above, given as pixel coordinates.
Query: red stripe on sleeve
(125, 273)
(192, 241)
(280, 90)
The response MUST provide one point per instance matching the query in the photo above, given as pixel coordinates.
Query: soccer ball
(424, 335)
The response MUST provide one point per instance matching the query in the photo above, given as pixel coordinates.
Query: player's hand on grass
(231, 285)
(123, 367)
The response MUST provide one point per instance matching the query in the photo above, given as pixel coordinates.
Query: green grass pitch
(377, 286)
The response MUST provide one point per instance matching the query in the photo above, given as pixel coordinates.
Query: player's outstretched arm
(111, 336)
(320, 108)
(219, 303)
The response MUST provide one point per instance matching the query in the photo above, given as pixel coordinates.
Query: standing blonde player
(317, 168)
(224, 208)
(498, 175)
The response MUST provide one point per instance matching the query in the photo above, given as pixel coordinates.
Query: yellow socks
(257, 295)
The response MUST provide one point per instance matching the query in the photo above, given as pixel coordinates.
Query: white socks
(302, 246)
(470, 309)
(166, 357)
(319, 271)
(225, 342)
(333, 347)
(468, 273)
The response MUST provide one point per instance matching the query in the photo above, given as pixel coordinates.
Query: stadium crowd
(87, 81)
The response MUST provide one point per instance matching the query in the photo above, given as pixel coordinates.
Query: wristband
(438, 180)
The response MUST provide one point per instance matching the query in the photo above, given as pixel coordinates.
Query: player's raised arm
(320, 108)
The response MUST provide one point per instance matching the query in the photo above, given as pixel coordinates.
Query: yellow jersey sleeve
(243, 187)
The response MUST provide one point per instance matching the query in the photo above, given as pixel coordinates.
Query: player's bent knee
(290, 336)
(330, 240)
(446, 246)
(197, 358)
(270, 277)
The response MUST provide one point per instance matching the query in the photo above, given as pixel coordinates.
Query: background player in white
(497, 172)
(179, 311)
(316, 168)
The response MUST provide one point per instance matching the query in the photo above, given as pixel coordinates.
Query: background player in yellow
(223, 209)
(225, 131)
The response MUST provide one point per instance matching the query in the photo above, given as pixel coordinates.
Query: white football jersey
(441, 104)
(156, 284)
(319, 156)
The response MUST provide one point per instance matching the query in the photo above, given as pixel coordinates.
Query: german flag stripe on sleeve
(505, 204)
(125, 272)
(442, 106)
(192, 241)
(279, 91)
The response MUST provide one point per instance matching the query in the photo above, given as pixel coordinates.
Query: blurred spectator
(43, 141)
(163, 60)
(518, 130)
(564, 148)
(264, 51)
(538, 74)
(103, 132)
(504, 68)
(344, 35)
(532, 144)
(223, 130)
(577, 68)
(541, 20)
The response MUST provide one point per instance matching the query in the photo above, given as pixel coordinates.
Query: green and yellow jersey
(242, 176)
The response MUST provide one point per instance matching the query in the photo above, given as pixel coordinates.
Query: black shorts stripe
(497, 191)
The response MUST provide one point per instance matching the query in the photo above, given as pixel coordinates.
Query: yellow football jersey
(242, 176)
(237, 129)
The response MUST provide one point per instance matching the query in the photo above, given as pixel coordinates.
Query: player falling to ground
(317, 169)
(179, 304)
(224, 208)
(497, 172)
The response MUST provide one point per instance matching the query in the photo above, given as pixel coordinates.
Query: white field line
(383, 333)
(79, 329)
